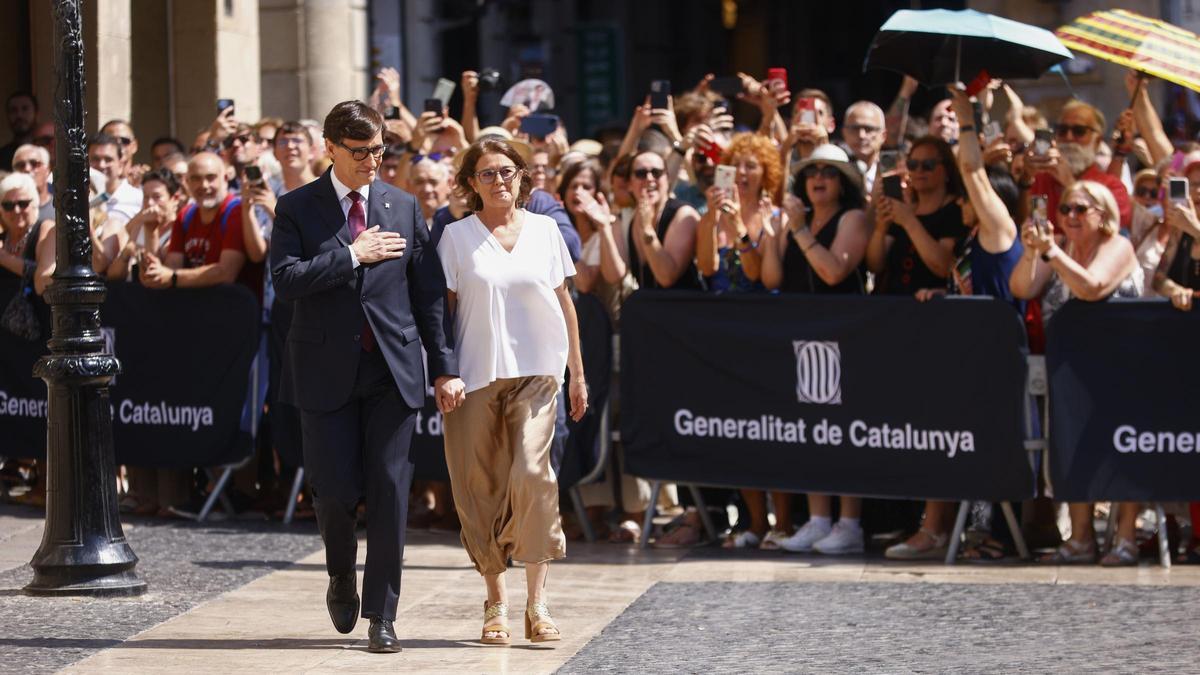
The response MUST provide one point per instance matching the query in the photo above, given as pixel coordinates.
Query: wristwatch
(677, 146)
(648, 237)
(174, 279)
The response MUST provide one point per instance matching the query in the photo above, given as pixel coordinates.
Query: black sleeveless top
(799, 276)
(1184, 270)
(688, 281)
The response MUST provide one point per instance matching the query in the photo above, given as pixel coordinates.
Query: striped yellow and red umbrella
(1148, 45)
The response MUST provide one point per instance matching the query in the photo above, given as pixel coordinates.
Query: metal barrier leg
(1110, 530)
(1015, 528)
(589, 534)
(960, 524)
(648, 523)
(705, 517)
(297, 484)
(217, 493)
(1164, 541)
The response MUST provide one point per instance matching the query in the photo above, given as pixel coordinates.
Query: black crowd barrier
(1124, 404)
(185, 359)
(869, 396)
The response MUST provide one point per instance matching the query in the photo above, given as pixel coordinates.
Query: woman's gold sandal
(537, 619)
(499, 631)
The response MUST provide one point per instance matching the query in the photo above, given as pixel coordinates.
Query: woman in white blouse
(516, 334)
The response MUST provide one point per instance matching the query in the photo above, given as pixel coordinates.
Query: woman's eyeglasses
(489, 176)
(359, 154)
(824, 170)
(923, 164)
(19, 204)
(1072, 130)
(1077, 209)
(645, 173)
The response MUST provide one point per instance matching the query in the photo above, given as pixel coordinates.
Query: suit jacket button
(356, 337)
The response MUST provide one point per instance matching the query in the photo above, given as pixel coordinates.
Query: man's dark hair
(354, 120)
(394, 151)
(21, 93)
(292, 128)
(106, 139)
(171, 141)
(165, 177)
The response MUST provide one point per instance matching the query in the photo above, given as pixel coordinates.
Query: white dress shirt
(344, 201)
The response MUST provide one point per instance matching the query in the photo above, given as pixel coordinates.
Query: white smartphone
(992, 132)
(725, 177)
(1177, 189)
(444, 90)
(1040, 212)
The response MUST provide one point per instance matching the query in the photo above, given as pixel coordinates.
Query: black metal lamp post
(83, 550)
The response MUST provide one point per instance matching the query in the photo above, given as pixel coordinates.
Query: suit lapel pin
(387, 205)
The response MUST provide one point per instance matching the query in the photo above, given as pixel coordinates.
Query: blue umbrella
(940, 46)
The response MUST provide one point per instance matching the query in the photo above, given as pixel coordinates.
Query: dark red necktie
(356, 220)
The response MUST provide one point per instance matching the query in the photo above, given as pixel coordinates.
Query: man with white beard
(1072, 157)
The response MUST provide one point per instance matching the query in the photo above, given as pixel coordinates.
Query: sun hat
(833, 156)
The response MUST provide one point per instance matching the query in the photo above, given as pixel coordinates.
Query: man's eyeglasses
(923, 164)
(27, 165)
(868, 129)
(19, 204)
(550, 171)
(1077, 209)
(1072, 130)
(826, 171)
(646, 173)
(359, 154)
(489, 176)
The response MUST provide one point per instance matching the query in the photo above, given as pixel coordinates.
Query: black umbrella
(940, 46)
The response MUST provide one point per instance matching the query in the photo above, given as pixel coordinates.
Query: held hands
(374, 245)
(155, 274)
(577, 391)
(1181, 298)
(449, 392)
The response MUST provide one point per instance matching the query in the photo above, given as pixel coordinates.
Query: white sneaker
(841, 539)
(804, 538)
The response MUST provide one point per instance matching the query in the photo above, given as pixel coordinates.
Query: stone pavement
(249, 597)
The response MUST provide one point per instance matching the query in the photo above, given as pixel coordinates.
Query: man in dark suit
(352, 253)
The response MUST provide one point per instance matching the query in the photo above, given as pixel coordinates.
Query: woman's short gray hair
(19, 181)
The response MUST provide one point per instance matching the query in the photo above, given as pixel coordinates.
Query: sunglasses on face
(489, 176)
(644, 173)
(1148, 193)
(359, 154)
(1077, 209)
(243, 139)
(868, 129)
(923, 164)
(19, 204)
(125, 140)
(27, 165)
(1072, 130)
(433, 156)
(824, 170)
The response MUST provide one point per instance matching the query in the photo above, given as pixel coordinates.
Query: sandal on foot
(1124, 554)
(934, 549)
(500, 634)
(538, 619)
(684, 536)
(627, 532)
(1072, 553)
(743, 539)
(986, 549)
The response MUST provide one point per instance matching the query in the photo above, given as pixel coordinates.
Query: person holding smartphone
(1093, 264)
(912, 246)
(1178, 273)
(818, 247)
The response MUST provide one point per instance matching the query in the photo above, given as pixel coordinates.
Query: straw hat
(833, 156)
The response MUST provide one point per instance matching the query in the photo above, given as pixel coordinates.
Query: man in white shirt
(106, 155)
(863, 132)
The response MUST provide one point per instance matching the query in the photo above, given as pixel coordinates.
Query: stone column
(314, 55)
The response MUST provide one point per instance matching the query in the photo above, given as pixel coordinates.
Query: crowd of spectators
(685, 195)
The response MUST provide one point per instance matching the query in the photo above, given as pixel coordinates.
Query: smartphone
(726, 86)
(977, 115)
(444, 90)
(434, 105)
(992, 132)
(223, 103)
(393, 113)
(1177, 189)
(711, 151)
(1040, 211)
(254, 175)
(539, 125)
(660, 93)
(888, 160)
(725, 178)
(778, 74)
(893, 187)
(1042, 138)
(808, 110)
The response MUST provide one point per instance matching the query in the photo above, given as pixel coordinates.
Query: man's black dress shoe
(382, 637)
(342, 601)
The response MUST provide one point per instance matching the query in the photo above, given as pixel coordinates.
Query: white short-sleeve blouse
(508, 322)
